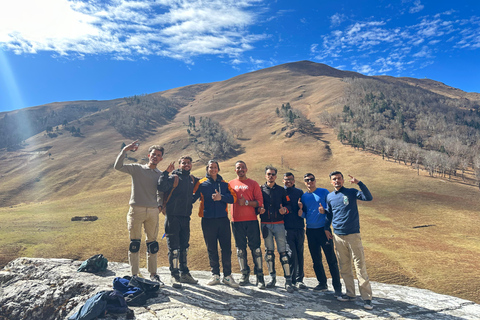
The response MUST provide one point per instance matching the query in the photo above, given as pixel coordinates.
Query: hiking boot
(321, 287)
(244, 280)
(229, 281)
(260, 282)
(345, 298)
(368, 305)
(187, 278)
(289, 286)
(272, 282)
(301, 285)
(214, 280)
(175, 281)
(156, 278)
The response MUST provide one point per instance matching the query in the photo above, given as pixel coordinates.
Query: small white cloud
(417, 7)
(337, 19)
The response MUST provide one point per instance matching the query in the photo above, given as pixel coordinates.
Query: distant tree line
(211, 140)
(411, 125)
(141, 114)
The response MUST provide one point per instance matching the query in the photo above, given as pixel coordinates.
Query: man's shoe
(321, 287)
(214, 280)
(337, 294)
(345, 298)
(244, 280)
(289, 287)
(367, 304)
(187, 278)
(156, 278)
(229, 281)
(175, 281)
(260, 282)
(272, 282)
(301, 285)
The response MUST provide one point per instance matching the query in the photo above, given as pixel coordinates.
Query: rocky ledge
(52, 289)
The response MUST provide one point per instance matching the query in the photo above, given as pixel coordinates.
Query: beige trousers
(148, 218)
(349, 247)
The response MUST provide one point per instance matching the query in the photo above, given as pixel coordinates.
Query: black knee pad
(270, 255)
(241, 253)
(152, 247)
(284, 257)
(134, 245)
(257, 252)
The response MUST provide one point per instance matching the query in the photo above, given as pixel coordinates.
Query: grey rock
(32, 288)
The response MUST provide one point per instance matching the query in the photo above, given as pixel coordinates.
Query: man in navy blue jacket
(342, 213)
(295, 228)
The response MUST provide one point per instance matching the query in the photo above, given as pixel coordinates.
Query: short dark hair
(334, 173)
(270, 167)
(156, 147)
(288, 174)
(240, 161)
(212, 161)
(308, 175)
(185, 157)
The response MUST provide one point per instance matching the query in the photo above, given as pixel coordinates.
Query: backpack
(94, 307)
(94, 264)
(116, 302)
(134, 296)
(149, 287)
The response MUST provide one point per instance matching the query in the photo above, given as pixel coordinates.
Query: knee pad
(152, 247)
(241, 253)
(134, 245)
(284, 258)
(257, 252)
(174, 253)
(269, 255)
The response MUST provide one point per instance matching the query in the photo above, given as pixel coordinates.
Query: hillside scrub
(211, 140)
(141, 114)
(410, 125)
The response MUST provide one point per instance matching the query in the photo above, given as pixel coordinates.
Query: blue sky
(63, 50)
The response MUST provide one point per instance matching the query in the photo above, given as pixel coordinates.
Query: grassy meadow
(443, 257)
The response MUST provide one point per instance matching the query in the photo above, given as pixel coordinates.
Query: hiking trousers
(349, 247)
(217, 231)
(147, 218)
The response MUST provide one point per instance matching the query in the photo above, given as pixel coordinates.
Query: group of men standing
(283, 211)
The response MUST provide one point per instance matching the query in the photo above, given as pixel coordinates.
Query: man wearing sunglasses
(314, 203)
(275, 206)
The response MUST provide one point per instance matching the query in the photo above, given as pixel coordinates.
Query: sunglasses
(309, 180)
(271, 174)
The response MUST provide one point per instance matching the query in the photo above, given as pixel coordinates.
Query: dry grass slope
(40, 193)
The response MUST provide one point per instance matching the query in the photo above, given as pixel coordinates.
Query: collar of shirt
(146, 166)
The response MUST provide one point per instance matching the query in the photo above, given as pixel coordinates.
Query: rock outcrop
(52, 289)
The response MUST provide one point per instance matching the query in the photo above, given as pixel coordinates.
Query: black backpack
(94, 264)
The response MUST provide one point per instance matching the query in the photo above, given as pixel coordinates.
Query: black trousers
(247, 233)
(295, 240)
(217, 231)
(317, 240)
(177, 231)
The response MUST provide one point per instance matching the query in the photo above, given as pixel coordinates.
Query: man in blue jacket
(314, 203)
(295, 228)
(214, 194)
(342, 213)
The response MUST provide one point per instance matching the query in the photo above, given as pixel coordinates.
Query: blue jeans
(276, 231)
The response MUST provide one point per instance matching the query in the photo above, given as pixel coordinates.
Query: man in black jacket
(178, 191)
(275, 207)
(295, 228)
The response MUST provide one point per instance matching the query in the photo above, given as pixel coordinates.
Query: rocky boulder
(44, 289)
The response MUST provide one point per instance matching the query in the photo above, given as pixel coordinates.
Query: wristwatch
(246, 202)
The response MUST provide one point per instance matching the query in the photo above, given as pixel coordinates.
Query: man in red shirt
(245, 223)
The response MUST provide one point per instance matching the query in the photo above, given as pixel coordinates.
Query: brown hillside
(40, 192)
